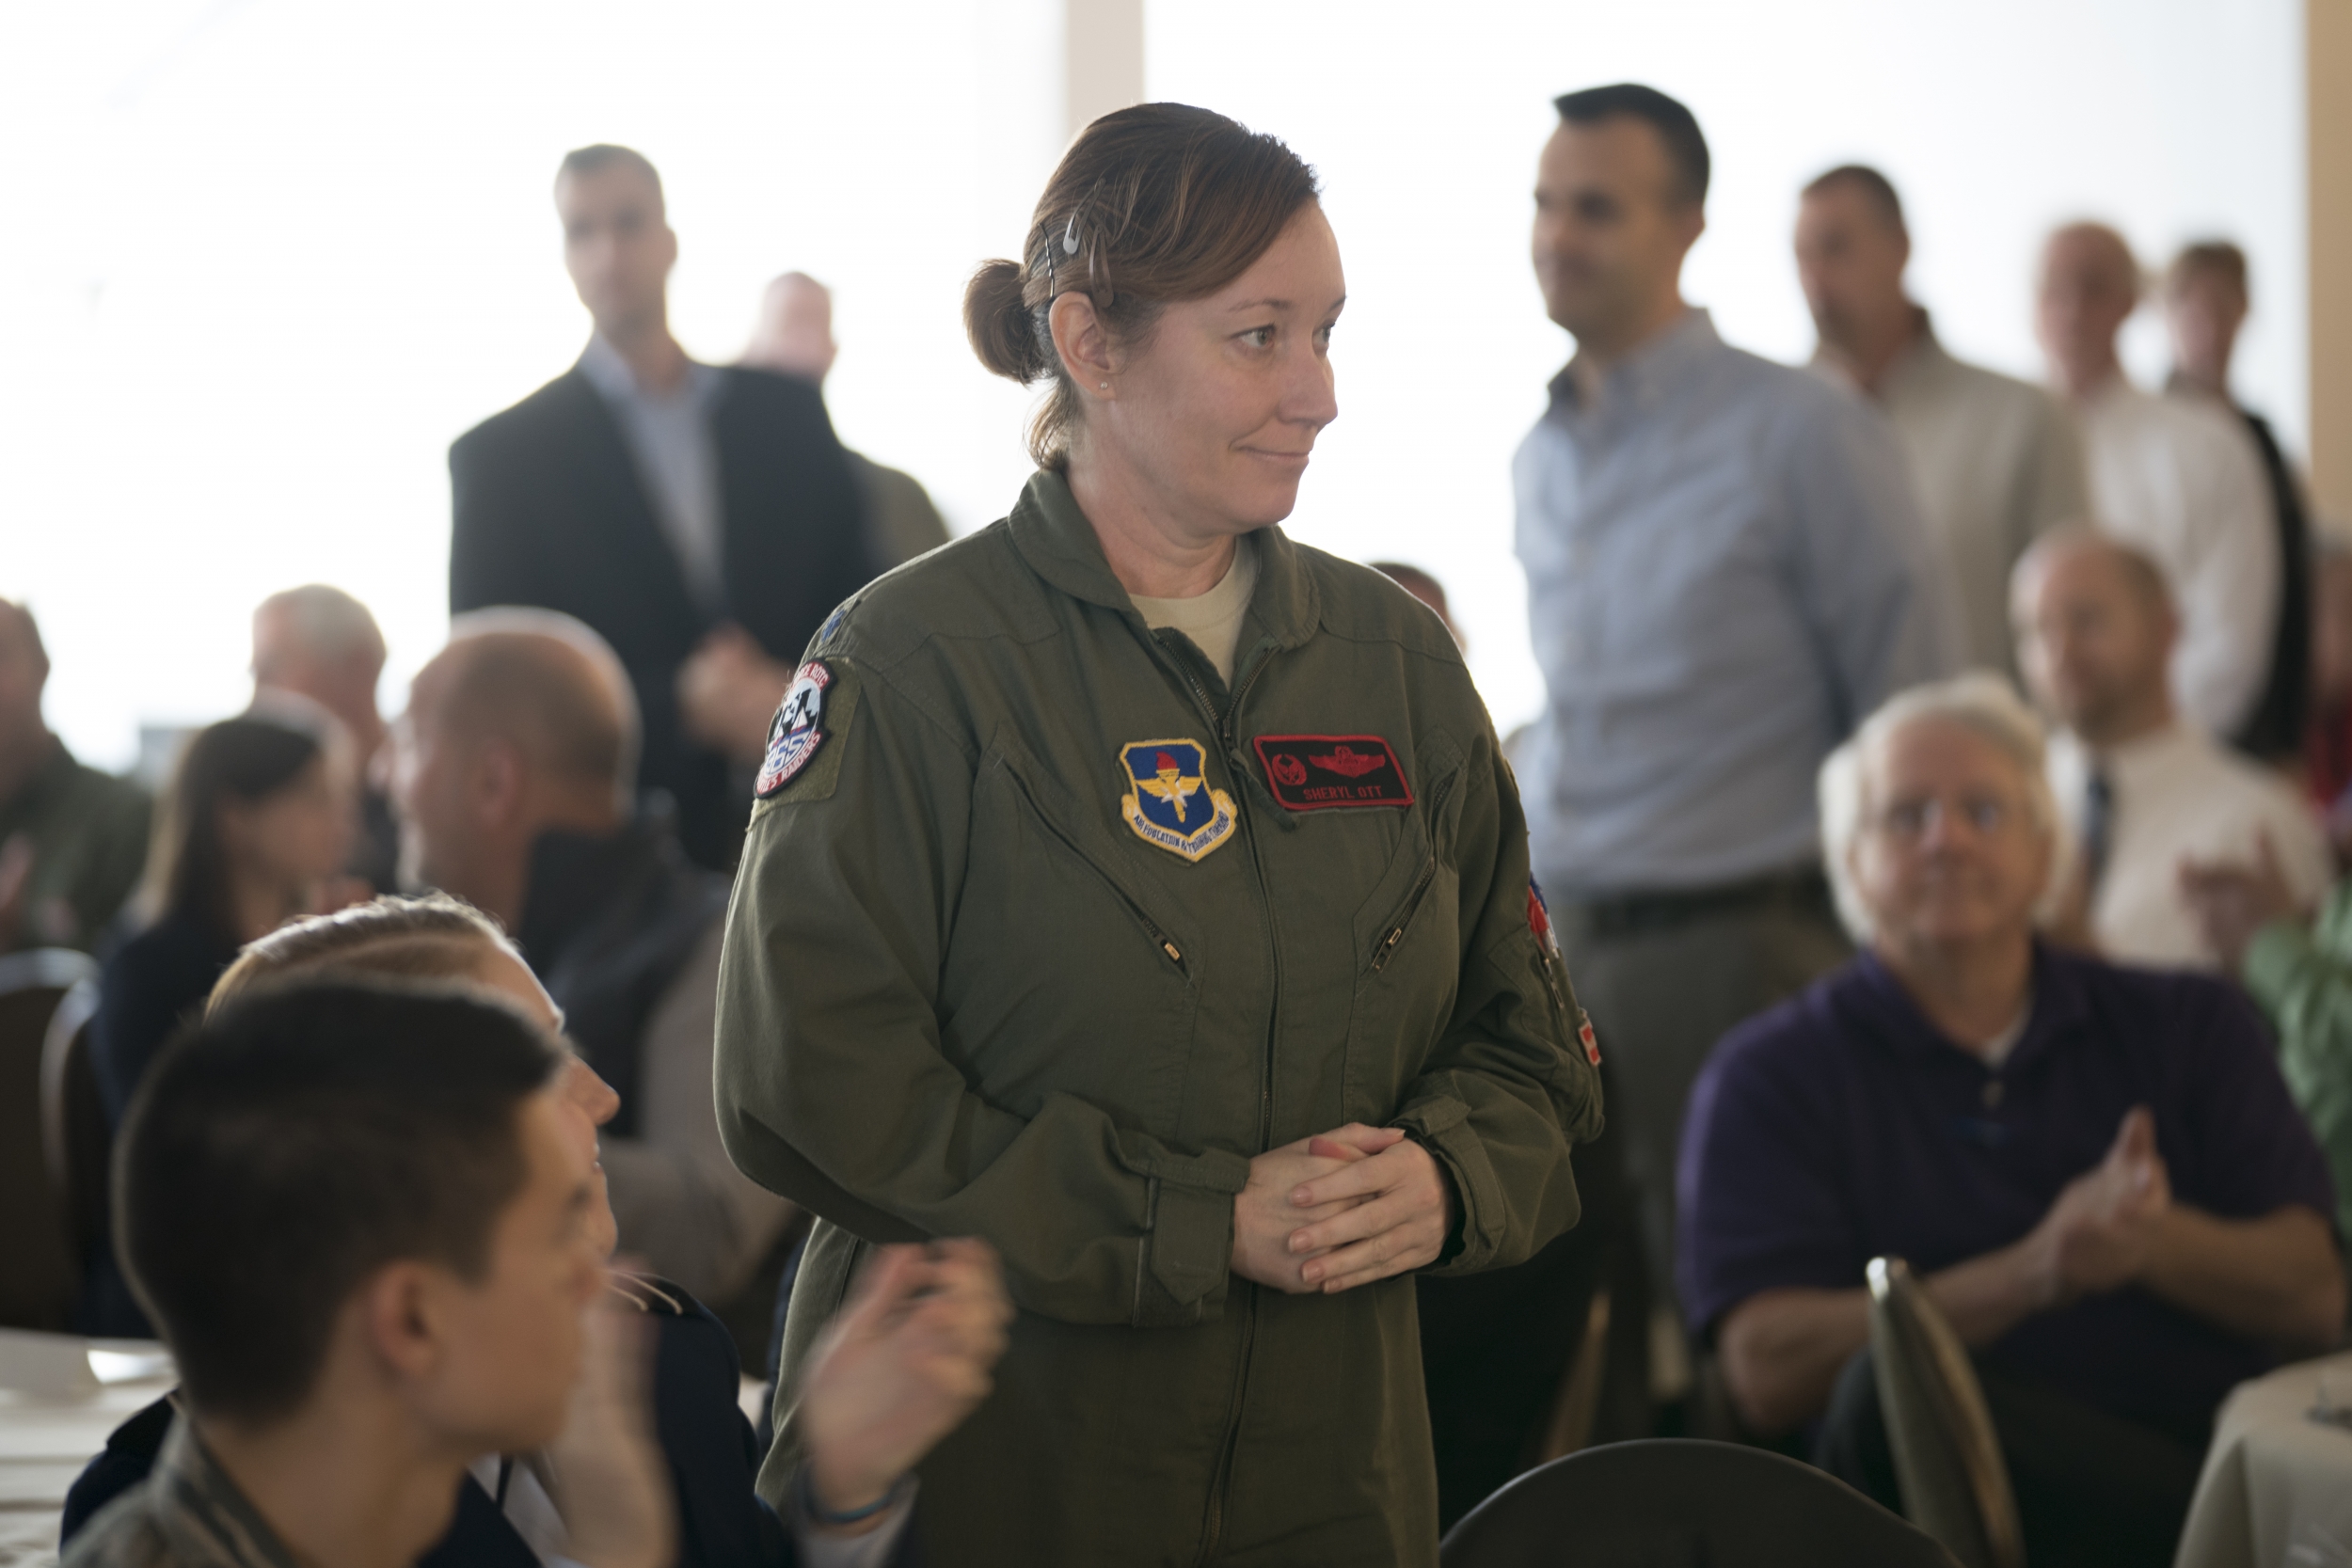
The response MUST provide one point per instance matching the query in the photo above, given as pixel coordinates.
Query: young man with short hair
(1726, 570)
(366, 1218)
(361, 1221)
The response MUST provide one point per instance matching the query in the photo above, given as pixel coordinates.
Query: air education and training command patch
(1319, 773)
(793, 735)
(1168, 802)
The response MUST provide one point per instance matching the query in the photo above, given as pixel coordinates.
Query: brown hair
(1876, 187)
(582, 161)
(246, 759)
(430, 937)
(2216, 257)
(1153, 205)
(285, 1149)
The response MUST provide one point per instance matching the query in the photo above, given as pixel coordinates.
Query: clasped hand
(2102, 1231)
(727, 692)
(1340, 1209)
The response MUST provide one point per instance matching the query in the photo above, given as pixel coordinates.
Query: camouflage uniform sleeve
(1509, 1086)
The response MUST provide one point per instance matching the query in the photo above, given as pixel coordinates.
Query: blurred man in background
(2142, 791)
(2176, 478)
(1428, 590)
(795, 337)
(702, 520)
(1997, 461)
(72, 840)
(320, 644)
(2206, 301)
(1725, 570)
(513, 787)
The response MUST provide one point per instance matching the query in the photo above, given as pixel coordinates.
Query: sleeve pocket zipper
(1403, 919)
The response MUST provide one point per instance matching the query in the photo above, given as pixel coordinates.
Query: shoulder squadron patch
(1317, 773)
(793, 737)
(1168, 802)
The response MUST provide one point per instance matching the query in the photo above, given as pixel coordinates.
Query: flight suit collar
(201, 1516)
(1060, 546)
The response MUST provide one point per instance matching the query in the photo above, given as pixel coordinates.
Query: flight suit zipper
(1214, 1527)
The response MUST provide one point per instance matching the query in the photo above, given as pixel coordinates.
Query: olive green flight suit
(961, 995)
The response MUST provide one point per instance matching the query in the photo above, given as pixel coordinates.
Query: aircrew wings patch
(1319, 773)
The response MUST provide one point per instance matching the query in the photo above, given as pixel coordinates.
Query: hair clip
(1070, 235)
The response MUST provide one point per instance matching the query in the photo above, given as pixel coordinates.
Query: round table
(2277, 1487)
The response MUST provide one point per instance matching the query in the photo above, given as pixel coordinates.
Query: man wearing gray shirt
(1725, 571)
(1997, 461)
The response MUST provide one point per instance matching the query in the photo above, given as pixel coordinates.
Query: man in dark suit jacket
(2205, 302)
(702, 520)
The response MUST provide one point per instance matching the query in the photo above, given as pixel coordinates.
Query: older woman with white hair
(2096, 1169)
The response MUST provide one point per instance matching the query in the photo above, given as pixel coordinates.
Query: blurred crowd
(1942, 798)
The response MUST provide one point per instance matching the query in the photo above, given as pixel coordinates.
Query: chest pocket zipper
(1160, 939)
(1404, 916)
(1402, 921)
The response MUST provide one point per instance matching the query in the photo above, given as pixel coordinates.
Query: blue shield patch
(1168, 801)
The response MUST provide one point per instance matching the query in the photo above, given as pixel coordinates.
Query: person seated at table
(514, 783)
(698, 1424)
(2141, 787)
(2328, 734)
(72, 837)
(253, 829)
(319, 643)
(2097, 1170)
(255, 824)
(2298, 970)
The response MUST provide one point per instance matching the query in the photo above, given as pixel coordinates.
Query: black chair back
(41, 1275)
(77, 1144)
(1947, 1457)
(1683, 1503)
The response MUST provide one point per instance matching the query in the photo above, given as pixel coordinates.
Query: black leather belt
(1623, 914)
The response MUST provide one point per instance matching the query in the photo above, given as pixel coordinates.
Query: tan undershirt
(1212, 620)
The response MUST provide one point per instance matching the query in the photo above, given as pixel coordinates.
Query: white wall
(266, 258)
(276, 254)
(2172, 118)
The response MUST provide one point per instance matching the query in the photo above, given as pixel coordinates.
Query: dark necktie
(2098, 828)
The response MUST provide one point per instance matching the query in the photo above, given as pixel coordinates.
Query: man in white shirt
(2177, 478)
(1997, 461)
(2143, 792)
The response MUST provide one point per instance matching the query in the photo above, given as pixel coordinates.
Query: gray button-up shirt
(1726, 572)
(1998, 463)
(676, 459)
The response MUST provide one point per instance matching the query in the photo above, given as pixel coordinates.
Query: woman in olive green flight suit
(1144, 893)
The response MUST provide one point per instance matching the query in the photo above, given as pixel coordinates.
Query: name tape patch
(1324, 772)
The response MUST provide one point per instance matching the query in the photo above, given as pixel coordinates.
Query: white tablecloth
(2276, 1488)
(44, 1442)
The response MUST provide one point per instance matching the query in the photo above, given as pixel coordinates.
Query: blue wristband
(823, 1515)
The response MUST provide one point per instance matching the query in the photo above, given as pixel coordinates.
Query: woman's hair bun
(997, 320)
